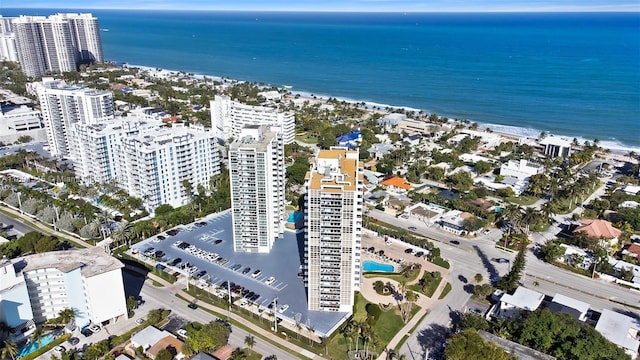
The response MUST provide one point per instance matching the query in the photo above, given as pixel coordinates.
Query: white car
(270, 280)
(283, 308)
(182, 333)
(95, 329)
(139, 321)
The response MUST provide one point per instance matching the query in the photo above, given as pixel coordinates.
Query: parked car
(408, 250)
(419, 254)
(95, 329)
(73, 341)
(455, 242)
(139, 321)
(270, 280)
(182, 333)
(413, 228)
(283, 308)
(256, 273)
(246, 270)
(86, 332)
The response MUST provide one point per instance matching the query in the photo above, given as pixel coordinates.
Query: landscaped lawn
(522, 200)
(387, 326)
(309, 139)
(432, 284)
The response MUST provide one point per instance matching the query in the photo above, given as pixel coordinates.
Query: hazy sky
(337, 5)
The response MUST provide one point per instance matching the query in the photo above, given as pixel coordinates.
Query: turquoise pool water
(369, 265)
(294, 216)
(31, 347)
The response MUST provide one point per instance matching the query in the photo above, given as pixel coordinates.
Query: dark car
(419, 254)
(192, 306)
(201, 274)
(455, 242)
(413, 228)
(371, 249)
(246, 270)
(160, 237)
(173, 232)
(408, 250)
(74, 341)
(217, 241)
(86, 332)
(501, 260)
(175, 261)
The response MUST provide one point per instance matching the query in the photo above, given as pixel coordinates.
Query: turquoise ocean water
(573, 74)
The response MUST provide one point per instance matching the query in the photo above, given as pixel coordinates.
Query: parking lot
(204, 251)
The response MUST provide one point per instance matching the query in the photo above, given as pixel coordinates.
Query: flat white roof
(523, 298)
(581, 306)
(617, 329)
(554, 140)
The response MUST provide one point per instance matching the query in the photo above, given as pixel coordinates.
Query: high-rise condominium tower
(256, 168)
(63, 105)
(333, 225)
(57, 43)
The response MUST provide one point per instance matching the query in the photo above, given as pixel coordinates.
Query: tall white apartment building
(157, 162)
(57, 43)
(8, 50)
(62, 106)
(257, 177)
(86, 36)
(87, 281)
(333, 229)
(228, 117)
(97, 152)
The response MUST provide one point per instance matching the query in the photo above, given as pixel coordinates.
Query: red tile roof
(598, 229)
(397, 182)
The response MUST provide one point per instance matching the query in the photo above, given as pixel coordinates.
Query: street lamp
(19, 202)
(275, 314)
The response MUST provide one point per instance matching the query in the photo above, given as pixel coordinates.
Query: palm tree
(122, 234)
(10, 349)
(529, 217)
(98, 223)
(66, 315)
(250, 341)
(239, 354)
(37, 335)
(411, 297)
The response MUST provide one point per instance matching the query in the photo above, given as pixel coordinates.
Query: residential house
(223, 353)
(566, 305)
(376, 197)
(152, 340)
(519, 351)
(621, 330)
(426, 212)
(378, 151)
(556, 146)
(522, 299)
(573, 254)
(373, 177)
(633, 250)
(202, 356)
(599, 229)
(397, 184)
(399, 202)
(473, 158)
(453, 221)
(412, 140)
(521, 170)
(631, 189)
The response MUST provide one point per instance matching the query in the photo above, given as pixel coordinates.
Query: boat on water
(104, 29)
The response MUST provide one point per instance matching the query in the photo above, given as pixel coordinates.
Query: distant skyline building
(35, 288)
(229, 117)
(62, 106)
(257, 177)
(8, 50)
(333, 229)
(56, 44)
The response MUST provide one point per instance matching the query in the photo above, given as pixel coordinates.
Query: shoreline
(508, 131)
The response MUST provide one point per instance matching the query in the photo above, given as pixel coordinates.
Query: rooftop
(93, 261)
(523, 298)
(620, 329)
(397, 182)
(598, 229)
(335, 169)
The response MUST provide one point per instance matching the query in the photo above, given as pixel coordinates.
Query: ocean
(571, 74)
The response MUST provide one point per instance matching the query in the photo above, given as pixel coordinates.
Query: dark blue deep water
(574, 74)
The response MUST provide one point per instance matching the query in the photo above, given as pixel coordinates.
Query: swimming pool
(31, 347)
(369, 265)
(294, 216)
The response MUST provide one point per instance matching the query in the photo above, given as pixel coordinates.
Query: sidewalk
(176, 289)
(273, 338)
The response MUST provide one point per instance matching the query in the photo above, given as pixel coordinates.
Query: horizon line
(623, 9)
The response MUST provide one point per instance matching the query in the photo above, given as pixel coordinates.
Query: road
(18, 227)
(475, 255)
(162, 297)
